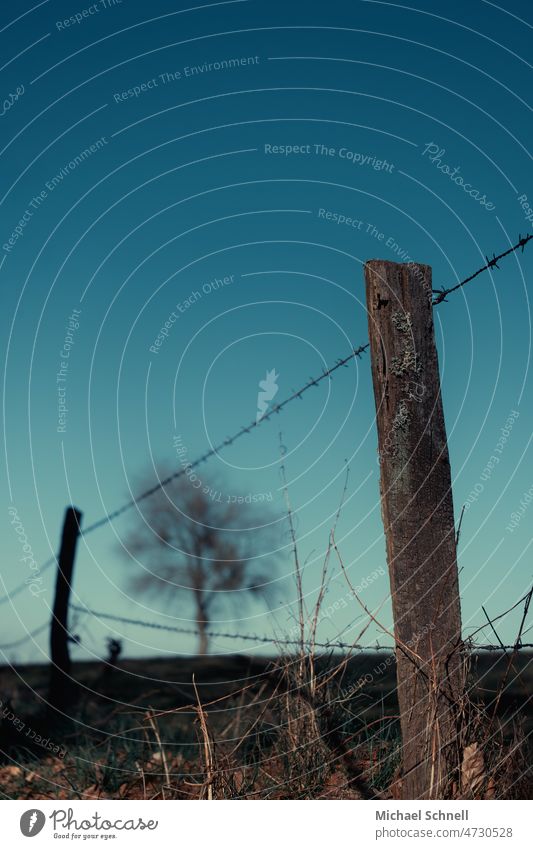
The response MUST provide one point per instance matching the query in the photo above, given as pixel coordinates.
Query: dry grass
(301, 726)
(300, 732)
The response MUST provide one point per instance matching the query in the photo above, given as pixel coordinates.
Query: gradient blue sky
(182, 192)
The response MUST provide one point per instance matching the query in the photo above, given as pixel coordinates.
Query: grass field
(236, 726)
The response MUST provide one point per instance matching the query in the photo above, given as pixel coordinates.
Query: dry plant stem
(511, 664)
(314, 622)
(524, 616)
(259, 717)
(458, 533)
(236, 722)
(297, 569)
(410, 655)
(505, 612)
(208, 752)
(155, 729)
(409, 652)
(141, 771)
(344, 663)
(323, 578)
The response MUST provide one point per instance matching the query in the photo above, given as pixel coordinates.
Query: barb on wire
(356, 352)
(442, 293)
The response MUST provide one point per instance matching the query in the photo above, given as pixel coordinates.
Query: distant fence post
(417, 510)
(60, 677)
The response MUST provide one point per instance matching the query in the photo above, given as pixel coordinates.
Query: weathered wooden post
(60, 677)
(417, 510)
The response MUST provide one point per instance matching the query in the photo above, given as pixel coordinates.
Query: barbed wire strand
(25, 583)
(256, 638)
(277, 408)
(25, 639)
(441, 295)
(356, 353)
(330, 644)
(491, 263)
(109, 517)
(194, 632)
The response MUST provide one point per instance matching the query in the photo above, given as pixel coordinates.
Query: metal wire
(24, 584)
(25, 639)
(313, 381)
(332, 644)
(491, 263)
(441, 296)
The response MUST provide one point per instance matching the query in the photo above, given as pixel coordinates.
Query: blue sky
(149, 152)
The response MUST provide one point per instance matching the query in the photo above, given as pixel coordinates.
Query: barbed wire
(330, 644)
(25, 639)
(441, 295)
(356, 352)
(277, 408)
(256, 638)
(214, 634)
(491, 263)
(11, 595)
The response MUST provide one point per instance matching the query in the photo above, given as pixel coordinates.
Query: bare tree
(200, 542)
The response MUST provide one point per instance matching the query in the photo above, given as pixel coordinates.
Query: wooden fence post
(417, 510)
(60, 678)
